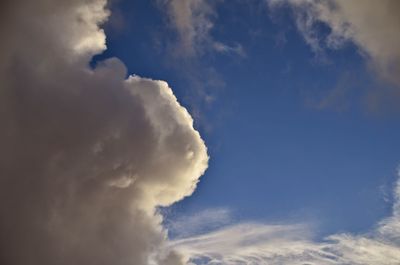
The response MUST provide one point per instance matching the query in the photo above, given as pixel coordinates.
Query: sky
(188, 132)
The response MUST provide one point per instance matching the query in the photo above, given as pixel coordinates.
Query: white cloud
(223, 48)
(86, 155)
(255, 243)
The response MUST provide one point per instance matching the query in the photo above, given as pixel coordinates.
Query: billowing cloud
(255, 243)
(371, 25)
(86, 155)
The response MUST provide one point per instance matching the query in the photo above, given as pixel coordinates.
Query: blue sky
(290, 132)
(200, 132)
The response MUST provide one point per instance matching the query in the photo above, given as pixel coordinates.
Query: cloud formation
(371, 25)
(86, 154)
(193, 21)
(262, 244)
(202, 221)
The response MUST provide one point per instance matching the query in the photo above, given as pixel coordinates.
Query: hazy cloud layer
(86, 155)
(253, 243)
(372, 25)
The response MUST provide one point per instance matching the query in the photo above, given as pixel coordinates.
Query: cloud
(184, 226)
(371, 25)
(255, 243)
(193, 20)
(223, 48)
(86, 155)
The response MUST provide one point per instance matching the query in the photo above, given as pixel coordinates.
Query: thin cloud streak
(206, 220)
(255, 243)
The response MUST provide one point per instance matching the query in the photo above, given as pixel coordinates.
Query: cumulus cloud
(255, 243)
(86, 154)
(371, 25)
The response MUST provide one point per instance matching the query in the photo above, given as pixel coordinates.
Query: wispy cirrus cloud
(205, 220)
(193, 21)
(373, 26)
(262, 244)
